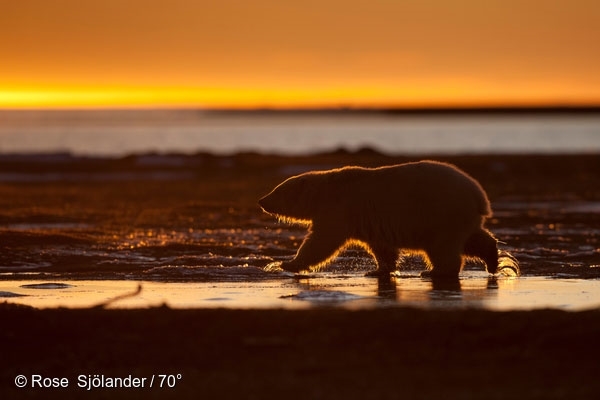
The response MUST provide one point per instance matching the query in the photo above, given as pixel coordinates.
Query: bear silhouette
(428, 207)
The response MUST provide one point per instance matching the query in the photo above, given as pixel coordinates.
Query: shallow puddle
(351, 291)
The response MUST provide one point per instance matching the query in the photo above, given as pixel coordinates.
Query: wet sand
(158, 216)
(113, 219)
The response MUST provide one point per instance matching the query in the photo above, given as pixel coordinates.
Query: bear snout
(269, 204)
(263, 203)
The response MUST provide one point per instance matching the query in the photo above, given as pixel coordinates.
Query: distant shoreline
(342, 110)
(558, 109)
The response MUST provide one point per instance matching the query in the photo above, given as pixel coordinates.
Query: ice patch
(49, 285)
(321, 296)
(11, 294)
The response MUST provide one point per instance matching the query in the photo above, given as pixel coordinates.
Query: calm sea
(116, 133)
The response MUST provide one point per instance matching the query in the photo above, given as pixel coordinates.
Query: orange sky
(274, 53)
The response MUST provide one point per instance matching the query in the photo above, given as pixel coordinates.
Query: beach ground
(303, 354)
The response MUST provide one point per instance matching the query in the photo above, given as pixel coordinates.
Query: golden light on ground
(359, 292)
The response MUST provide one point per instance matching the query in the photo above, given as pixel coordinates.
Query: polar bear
(429, 207)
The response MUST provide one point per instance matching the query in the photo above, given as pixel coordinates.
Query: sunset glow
(312, 54)
(244, 98)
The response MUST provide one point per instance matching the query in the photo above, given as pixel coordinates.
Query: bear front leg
(316, 250)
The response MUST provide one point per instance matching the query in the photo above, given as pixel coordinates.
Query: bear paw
(508, 264)
(274, 266)
(291, 266)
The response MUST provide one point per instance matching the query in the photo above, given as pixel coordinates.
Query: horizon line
(341, 109)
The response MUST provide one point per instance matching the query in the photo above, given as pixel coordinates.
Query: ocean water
(93, 203)
(118, 133)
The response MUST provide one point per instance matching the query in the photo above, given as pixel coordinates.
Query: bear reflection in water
(428, 207)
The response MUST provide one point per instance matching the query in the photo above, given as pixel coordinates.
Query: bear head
(295, 199)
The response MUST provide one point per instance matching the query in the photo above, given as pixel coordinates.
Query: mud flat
(194, 220)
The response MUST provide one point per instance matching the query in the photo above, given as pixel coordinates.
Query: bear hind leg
(484, 246)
